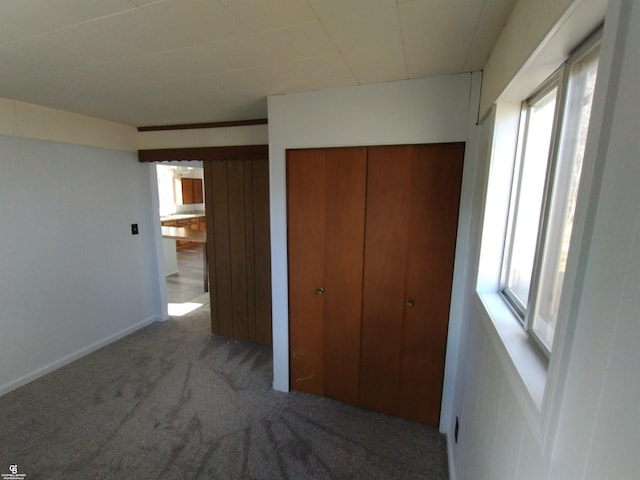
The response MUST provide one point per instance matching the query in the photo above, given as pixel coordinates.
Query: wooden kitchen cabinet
(187, 191)
(191, 191)
(198, 195)
(371, 241)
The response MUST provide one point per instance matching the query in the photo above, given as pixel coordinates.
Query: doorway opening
(235, 233)
(183, 219)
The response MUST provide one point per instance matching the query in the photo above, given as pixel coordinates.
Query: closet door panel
(262, 250)
(374, 229)
(387, 222)
(249, 242)
(345, 188)
(221, 298)
(237, 249)
(435, 192)
(210, 245)
(306, 251)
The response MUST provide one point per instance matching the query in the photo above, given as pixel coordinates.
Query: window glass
(551, 144)
(536, 130)
(564, 196)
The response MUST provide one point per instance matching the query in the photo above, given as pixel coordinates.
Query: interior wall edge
(463, 267)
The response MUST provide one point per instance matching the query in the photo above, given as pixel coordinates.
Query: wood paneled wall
(238, 248)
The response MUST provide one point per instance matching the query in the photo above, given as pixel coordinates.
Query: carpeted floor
(173, 402)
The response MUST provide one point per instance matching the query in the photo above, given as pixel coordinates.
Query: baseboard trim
(67, 359)
(452, 470)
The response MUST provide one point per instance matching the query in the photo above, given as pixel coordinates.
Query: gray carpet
(173, 402)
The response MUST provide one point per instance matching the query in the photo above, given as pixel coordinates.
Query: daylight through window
(551, 143)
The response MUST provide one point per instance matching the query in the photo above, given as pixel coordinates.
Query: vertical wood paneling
(387, 221)
(262, 250)
(223, 296)
(210, 245)
(305, 233)
(247, 168)
(237, 211)
(237, 249)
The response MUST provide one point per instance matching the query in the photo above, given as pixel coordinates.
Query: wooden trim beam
(242, 152)
(191, 126)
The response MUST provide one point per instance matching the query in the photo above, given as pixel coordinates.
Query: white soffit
(568, 33)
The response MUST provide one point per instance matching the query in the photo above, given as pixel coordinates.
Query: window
(544, 192)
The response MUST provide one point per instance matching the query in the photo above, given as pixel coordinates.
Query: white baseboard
(61, 362)
(452, 470)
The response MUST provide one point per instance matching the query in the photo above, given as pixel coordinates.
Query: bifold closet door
(411, 223)
(238, 248)
(325, 218)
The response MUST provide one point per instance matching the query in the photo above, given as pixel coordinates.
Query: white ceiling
(155, 62)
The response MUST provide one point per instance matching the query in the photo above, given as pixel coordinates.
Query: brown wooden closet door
(344, 246)
(305, 237)
(435, 194)
(325, 209)
(386, 240)
(237, 211)
(411, 219)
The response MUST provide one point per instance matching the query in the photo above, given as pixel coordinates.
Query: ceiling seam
(404, 53)
(475, 31)
(334, 43)
(74, 25)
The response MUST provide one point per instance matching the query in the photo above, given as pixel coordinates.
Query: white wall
(73, 278)
(418, 111)
(20, 119)
(599, 427)
(532, 22)
(595, 431)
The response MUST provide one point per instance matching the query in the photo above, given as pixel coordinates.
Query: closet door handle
(409, 303)
(320, 291)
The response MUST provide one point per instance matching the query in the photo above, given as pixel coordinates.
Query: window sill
(522, 360)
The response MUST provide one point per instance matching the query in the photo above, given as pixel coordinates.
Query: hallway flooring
(187, 284)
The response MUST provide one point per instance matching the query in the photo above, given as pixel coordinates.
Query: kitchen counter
(181, 233)
(181, 216)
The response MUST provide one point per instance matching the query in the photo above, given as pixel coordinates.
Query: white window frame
(559, 79)
(551, 83)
